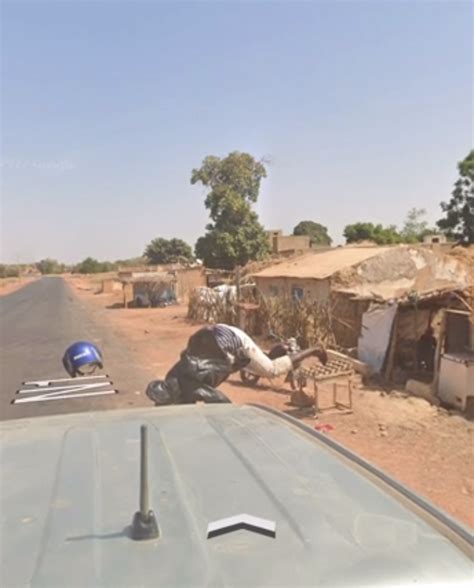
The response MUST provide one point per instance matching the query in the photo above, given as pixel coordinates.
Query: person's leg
(208, 395)
(261, 365)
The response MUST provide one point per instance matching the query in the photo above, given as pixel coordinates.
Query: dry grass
(98, 278)
(5, 282)
(90, 281)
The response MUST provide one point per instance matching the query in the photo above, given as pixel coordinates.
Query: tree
(168, 251)
(359, 232)
(415, 228)
(235, 235)
(131, 262)
(458, 222)
(370, 232)
(49, 266)
(107, 266)
(92, 266)
(318, 233)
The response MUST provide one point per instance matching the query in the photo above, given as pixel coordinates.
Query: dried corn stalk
(311, 321)
(211, 309)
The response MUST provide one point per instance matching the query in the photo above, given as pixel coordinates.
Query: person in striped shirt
(212, 354)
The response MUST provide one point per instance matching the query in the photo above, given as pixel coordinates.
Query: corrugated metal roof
(321, 265)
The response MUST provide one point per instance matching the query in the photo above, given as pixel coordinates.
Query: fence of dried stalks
(212, 308)
(309, 320)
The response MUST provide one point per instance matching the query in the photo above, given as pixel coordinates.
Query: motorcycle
(282, 347)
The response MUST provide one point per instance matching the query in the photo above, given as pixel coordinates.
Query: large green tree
(50, 266)
(458, 222)
(92, 266)
(369, 232)
(235, 235)
(317, 233)
(168, 251)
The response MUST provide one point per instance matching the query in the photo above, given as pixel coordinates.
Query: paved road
(37, 323)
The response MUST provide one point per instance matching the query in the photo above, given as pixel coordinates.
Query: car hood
(70, 489)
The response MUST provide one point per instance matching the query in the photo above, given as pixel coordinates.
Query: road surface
(37, 323)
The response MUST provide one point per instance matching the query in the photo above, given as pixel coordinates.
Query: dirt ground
(427, 448)
(9, 285)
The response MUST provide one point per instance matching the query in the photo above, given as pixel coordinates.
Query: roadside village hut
(310, 276)
(173, 284)
(383, 301)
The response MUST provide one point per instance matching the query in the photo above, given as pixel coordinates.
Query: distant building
(287, 244)
(435, 239)
(173, 283)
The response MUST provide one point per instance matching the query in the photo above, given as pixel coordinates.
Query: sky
(363, 110)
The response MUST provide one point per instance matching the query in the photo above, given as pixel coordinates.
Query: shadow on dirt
(260, 387)
(299, 413)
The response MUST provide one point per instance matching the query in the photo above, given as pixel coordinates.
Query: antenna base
(144, 528)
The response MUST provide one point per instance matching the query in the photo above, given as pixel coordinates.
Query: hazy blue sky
(364, 108)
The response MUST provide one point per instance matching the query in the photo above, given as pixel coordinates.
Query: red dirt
(7, 285)
(426, 448)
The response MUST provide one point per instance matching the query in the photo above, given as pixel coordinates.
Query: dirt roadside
(426, 448)
(9, 285)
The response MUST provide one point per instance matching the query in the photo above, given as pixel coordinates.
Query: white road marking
(66, 389)
(60, 396)
(41, 383)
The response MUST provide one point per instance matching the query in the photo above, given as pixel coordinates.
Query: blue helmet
(82, 358)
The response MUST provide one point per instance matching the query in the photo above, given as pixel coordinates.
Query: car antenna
(144, 525)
